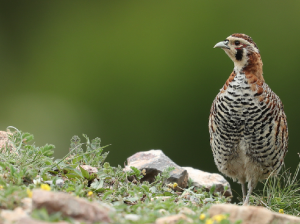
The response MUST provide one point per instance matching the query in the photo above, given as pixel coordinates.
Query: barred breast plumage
(247, 123)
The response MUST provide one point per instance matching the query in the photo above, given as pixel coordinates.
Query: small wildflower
(173, 186)
(45, 187)
(38, 180)
(29, 193)
(144, 172)
(202, 216)
(1, 187)
(90, 193)
(209, 221)
(281, 211)
(219, 218)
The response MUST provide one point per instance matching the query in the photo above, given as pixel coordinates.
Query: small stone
(27, 204)
(29, 220)
(194, 199)
(59, 182)
(206, 180)
(154, 162)
(163, 211)
(172, 219)
(69, 206)
(186, 195)
(206, 200)
(5, 143)
(186, 211)
(132, 217)
(11, 216)
(251, 214)
(88, 168)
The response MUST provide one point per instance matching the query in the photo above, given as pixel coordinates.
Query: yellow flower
(1, 187)
(281, 211)
(45, 187)
(90, 193)
(144, 172)
(209, 221)
(173, 186)
(219, 218)
(202, 216)
(29, 193)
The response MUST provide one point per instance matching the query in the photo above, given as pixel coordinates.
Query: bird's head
(242, 51)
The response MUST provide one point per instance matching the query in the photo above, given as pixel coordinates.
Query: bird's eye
(237, 42)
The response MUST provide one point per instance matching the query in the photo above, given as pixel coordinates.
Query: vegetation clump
(24, 167)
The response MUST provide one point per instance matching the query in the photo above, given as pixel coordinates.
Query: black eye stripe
(239, 54)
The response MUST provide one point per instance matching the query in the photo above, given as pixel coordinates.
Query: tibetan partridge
(247, 124)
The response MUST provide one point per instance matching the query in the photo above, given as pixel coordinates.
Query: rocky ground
(182, 182)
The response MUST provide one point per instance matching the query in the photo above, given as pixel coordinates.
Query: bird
(247, 124)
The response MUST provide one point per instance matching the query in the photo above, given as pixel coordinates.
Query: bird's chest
(238, 98)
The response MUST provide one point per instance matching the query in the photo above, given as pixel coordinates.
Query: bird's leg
(251, 187)
(244, 190)
(242, 181)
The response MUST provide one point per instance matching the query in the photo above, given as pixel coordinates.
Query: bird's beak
(222, 44)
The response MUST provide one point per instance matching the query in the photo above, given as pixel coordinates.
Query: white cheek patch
(247, 48)
(239, 65)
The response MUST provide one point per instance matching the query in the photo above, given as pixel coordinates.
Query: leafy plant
(24, 166)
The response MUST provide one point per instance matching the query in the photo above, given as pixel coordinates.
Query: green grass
(26, 167)
(281, 192)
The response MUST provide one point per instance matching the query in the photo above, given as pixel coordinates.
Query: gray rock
(251, 214)
(207, 180)
(88, 168)
(29, 220)
(59, 182)
(27, 204)
(12, 216)
(69, 206)
(186, 211)
(155, 162)
(173, 219)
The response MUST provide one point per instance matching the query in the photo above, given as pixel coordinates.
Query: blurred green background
(138, 74)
